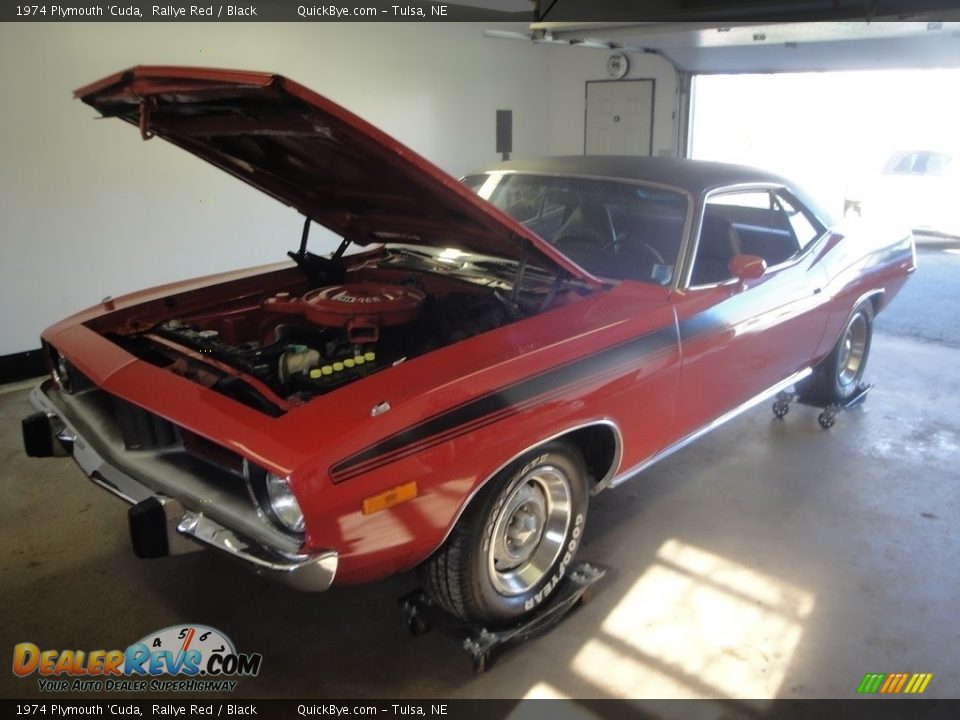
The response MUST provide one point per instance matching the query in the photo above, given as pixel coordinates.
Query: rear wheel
(837, 378)
(515, 541)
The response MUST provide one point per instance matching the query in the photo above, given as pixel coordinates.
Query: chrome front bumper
(186, 529)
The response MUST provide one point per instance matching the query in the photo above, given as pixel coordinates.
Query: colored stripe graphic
(510, 400)
(918, 683)
(894, 683)
(870, 683)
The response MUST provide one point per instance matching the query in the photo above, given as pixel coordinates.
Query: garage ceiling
(750, 36)
(731, 10)
(709, 47)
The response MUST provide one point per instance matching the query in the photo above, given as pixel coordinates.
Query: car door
(741, 337)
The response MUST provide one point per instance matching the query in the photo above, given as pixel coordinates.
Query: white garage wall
(87, 209)
(571, 68)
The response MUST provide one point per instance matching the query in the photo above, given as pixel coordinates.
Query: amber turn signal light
(389, 498)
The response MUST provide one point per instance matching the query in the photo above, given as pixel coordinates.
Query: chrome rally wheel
(852, 351)
(839, 375)
(529, 530)
(515, 541)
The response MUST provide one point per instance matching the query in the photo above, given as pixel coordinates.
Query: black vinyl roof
(694, 176)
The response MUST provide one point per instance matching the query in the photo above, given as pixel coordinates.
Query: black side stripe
(501, 403)
(718, 318)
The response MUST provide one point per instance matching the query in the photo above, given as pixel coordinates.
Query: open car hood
(316, 157)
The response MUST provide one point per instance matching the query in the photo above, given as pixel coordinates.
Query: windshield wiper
(409, 251)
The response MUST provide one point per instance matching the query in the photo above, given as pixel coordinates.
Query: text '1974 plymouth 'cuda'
(449, 397)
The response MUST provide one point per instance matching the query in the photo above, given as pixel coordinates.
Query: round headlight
(283, 504)
(61, 371)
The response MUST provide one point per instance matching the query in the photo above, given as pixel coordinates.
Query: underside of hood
(317, 157)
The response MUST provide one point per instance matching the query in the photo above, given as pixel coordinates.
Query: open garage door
(881, 144)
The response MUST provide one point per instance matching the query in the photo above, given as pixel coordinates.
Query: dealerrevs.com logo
(186, 658)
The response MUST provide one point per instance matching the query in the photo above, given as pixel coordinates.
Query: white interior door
(619, 118)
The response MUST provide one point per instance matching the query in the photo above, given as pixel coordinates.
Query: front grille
(195, 478)
(212, 453)
(142, 430)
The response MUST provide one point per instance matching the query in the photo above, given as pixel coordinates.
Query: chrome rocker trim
(722, 420)
(188, 530)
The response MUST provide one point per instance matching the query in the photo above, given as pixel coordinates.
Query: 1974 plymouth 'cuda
(449, 397)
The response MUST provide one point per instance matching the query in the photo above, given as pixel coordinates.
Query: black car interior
(619, 243)
(719, 244)
(615, 230)
(729, 229)
(626, 231)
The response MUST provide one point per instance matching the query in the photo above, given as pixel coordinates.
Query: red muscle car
(449, 397)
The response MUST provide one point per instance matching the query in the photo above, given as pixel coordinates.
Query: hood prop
(319, 270)
(146, 107)
(521, 271)
(341, 248)
(304, 236)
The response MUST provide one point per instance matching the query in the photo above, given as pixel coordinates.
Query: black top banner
(256, 11)
(540, 11)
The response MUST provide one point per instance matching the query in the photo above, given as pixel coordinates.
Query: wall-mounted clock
(617, 66)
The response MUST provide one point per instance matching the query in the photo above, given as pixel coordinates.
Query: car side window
(935, 163)
(770, 224)
(804, 229)
(741, 223)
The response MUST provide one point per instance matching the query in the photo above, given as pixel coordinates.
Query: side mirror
(747, 267)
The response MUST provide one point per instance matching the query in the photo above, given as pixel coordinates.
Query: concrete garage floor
(770, 559)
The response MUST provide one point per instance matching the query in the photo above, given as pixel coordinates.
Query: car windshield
(616, 230)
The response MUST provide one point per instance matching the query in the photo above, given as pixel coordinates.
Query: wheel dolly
(480, 642)
(781, 405)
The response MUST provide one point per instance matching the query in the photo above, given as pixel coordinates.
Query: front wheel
(515, 541)
(838, 377)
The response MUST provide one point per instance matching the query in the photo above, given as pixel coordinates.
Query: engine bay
(276, 349)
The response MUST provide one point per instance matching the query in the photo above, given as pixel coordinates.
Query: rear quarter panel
(862, 260)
